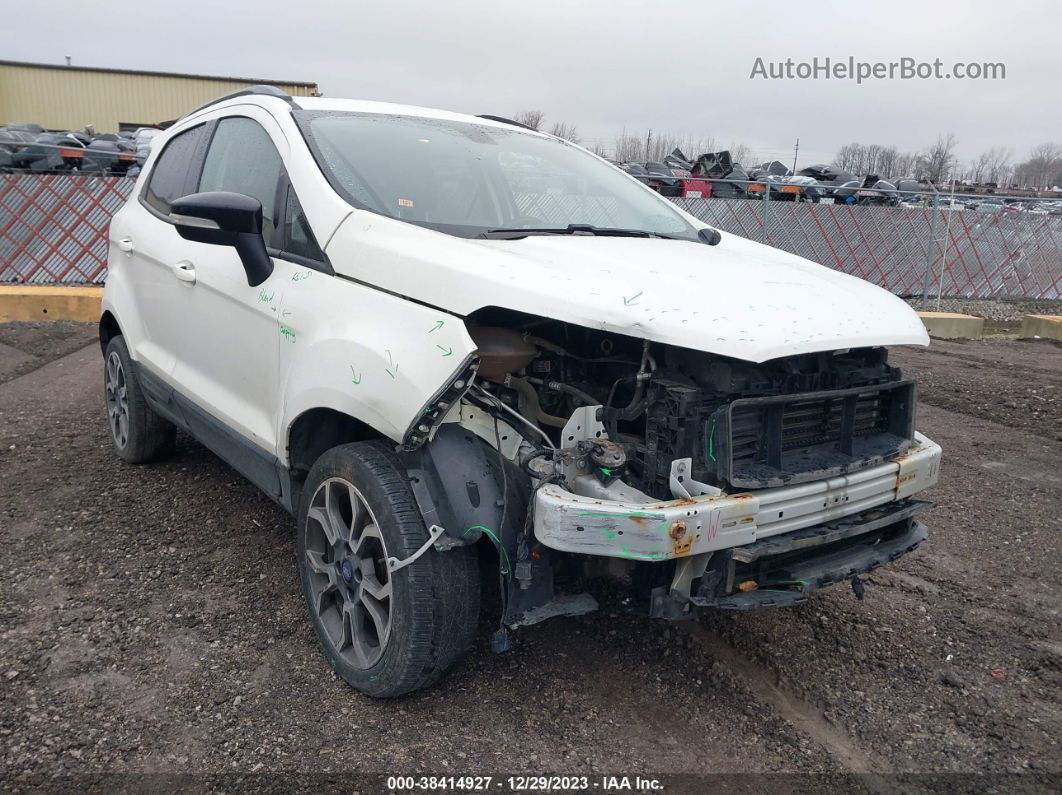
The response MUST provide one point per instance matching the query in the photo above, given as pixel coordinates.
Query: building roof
(106, 70)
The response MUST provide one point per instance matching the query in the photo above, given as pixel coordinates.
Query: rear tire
(139, 434)
(385, 633)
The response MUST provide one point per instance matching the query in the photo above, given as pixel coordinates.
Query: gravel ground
(26, 346)
(151, 623)
(1017, 384)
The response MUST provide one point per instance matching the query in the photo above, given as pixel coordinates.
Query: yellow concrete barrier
(32, 302)
(953, 326)
(1043, 326)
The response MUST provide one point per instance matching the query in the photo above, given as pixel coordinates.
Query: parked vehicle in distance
(434, 337)
(26, 148)
(668, 180)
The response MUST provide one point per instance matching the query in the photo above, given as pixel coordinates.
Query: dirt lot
(151, 622)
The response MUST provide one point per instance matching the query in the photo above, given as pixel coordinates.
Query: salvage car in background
(427, 334)
(28, 148)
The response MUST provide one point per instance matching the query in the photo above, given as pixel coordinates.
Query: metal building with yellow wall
(71, 97)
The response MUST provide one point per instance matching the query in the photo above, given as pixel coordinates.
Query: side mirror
(226, 219)
(709, 236)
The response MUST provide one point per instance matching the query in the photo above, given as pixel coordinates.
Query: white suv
(430, 335)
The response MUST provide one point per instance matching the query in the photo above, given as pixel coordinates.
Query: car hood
(739, 298)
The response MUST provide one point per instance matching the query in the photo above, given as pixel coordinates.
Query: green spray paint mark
(391, 364)
(446, 351)
(711, 441)
(630, 301)
(438, 325)
(287, 334)
(301, 276)
(356, 377)
(626, 552)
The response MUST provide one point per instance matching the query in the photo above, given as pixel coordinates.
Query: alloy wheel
(350, 585)
(117, 400)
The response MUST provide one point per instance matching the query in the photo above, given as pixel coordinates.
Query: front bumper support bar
(783, 571)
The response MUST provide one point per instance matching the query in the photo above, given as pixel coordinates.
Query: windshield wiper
(571, 229)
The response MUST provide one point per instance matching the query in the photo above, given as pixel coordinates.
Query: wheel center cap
(347, 570)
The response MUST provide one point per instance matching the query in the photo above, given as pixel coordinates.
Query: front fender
(374, 356)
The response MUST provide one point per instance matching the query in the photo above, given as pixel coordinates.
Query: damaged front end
(705, 481)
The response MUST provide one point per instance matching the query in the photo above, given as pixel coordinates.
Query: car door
(149, 251)
(227, 357)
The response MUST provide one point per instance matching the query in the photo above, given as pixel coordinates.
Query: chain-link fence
(956, 246)
(53, 228)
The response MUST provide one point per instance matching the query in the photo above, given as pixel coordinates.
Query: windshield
(472, 180)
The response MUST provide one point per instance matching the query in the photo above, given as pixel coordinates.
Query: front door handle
(126, 245)
(184, 271)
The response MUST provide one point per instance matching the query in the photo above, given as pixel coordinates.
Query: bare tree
(598, 149)
(563, 129)
(998, 169)
(938, 162)
(850, 158)
(906, 165)
(740, 153)
(628, 147)
(887, 160)
(530, 118)
(979, 167)
(692, 147)
(1043, 169)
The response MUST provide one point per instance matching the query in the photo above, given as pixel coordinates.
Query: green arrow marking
(356, 379)
(630, 301)
(446, 351)
(438, 325)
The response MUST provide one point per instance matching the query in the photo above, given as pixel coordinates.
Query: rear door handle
(126, 245)
(184, 271)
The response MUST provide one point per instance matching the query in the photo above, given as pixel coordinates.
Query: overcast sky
(678, 66)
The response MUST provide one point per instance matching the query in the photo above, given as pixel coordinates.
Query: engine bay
(742, 425)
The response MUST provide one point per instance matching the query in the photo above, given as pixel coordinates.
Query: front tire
(385, 633)
(139, 434)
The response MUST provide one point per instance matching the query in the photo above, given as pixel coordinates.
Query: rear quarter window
(169, 177)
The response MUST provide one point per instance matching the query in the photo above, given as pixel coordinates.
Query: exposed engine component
(501, 351)
(742, 425)
(603, 459)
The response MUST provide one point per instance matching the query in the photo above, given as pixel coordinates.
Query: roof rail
(259, 90)
(504, 120)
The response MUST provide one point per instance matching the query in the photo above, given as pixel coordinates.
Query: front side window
(243, 159)
(297, 236)
(169, 176)
(470, 180)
